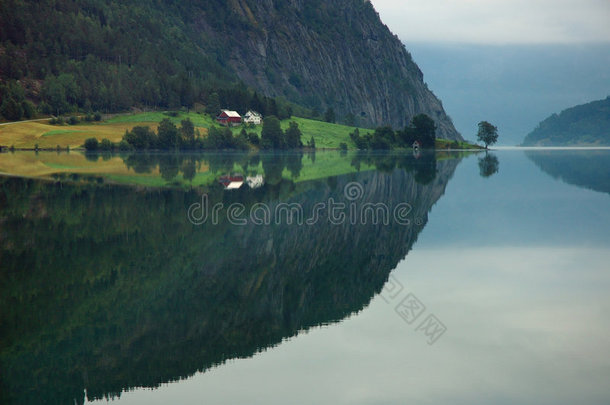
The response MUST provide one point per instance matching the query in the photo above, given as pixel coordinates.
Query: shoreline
(42, 135)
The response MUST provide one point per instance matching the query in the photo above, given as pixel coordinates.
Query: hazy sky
(498, 21)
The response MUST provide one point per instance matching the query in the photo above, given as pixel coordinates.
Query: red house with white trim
(229, 118)
(231, 182)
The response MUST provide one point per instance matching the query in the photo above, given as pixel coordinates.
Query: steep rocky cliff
(112, 55)
(329, 54)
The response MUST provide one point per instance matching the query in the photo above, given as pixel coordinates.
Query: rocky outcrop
(117, 55)
(328, 54)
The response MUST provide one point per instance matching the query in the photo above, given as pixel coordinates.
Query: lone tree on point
(488, 134)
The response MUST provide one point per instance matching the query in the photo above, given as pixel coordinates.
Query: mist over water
(512, 86)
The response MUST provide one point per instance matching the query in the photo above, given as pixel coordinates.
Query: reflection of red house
(231, 182)
(229, 118)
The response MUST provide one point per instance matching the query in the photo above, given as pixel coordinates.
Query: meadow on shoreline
(30, 135)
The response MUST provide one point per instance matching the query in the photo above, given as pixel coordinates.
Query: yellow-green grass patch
(45, 164)
(27, 135)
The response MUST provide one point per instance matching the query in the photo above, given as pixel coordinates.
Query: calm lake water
(300, 279)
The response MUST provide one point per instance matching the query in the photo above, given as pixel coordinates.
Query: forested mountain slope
(586, 124)
(112, 55)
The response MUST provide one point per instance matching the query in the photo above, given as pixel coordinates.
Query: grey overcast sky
(498, 21)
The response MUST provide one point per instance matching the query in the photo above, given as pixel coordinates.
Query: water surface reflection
(108, 287)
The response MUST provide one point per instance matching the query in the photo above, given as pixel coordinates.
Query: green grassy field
(325, 134)
(199, 120)
(48, 165)
(447, 144)
(27, 135)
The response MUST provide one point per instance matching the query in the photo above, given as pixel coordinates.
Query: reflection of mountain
(104, 288)
(584, 168)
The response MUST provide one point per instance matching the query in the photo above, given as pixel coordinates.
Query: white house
(252, 117)
(255, 181)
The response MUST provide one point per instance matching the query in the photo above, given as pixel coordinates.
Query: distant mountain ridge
(586, 124)
(170, 53)
(512, 86)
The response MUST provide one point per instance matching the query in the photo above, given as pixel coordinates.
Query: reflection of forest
(584, 168)
(108, 287)
(273, 165)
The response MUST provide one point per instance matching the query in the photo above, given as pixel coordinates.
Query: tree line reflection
(106, 287)
(272, 165)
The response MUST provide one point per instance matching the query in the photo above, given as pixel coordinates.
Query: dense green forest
(109, 56)
(307, 57)
(586, 124)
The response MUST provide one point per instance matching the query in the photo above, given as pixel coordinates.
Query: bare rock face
(334, 53)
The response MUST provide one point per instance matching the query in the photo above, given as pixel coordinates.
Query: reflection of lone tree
(488, 134)
(488, 165)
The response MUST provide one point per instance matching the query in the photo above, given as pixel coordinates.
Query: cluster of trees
(167, 137)
(13, 105)
(187, 137)
(242, 99)
(73, 120)
(223, 138)
(273, 137)
(421, 129)
(64, 94)
(91, 55)
(329, 115)
(94, 54)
